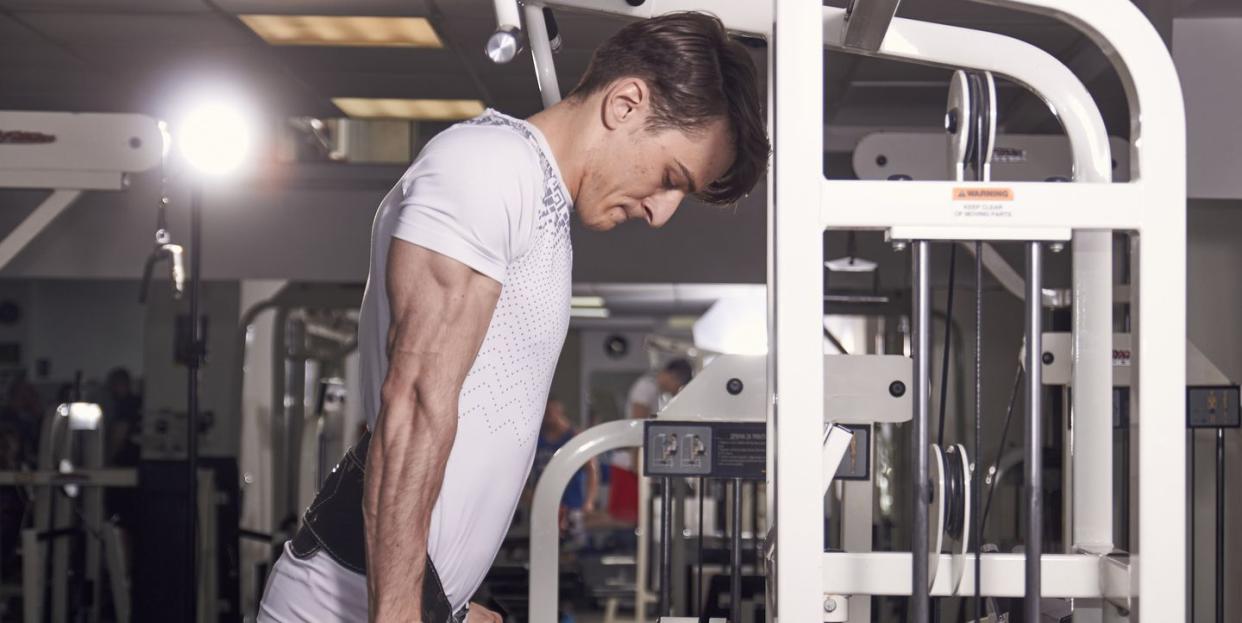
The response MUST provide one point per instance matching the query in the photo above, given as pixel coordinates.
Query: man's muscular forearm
(440, 313)
(405, 469)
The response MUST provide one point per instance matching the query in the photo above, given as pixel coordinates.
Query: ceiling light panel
(355, 31)
(418, 109)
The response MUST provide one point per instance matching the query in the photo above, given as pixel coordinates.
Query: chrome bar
(867, 21)
(1034, 442)
(921, 351)
(735, 577)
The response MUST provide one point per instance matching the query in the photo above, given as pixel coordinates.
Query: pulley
(949, 512)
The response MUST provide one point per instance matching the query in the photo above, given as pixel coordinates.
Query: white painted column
(795, 309)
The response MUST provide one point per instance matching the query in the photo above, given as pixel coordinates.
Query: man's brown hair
(696, 75)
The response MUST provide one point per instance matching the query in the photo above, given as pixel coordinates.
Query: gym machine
(294, 367)
(67, 488)
(804, 580)
(712, 430)
(68, 506)
(69, 153)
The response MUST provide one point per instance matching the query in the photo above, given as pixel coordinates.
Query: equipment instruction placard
(740, 451)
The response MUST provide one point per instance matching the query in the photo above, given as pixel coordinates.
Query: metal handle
(541, 48)
(506, 43)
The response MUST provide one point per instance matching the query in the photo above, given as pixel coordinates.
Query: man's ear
(626, 100)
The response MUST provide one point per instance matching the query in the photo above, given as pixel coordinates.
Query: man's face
(641, 174)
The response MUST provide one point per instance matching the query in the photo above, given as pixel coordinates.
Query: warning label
(982, 194)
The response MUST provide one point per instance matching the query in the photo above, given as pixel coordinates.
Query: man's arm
(643, 397)
(592, 487)
(639, 411)
(441, 309)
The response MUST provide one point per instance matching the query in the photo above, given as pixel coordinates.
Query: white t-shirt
(487, 193)
(646, 392)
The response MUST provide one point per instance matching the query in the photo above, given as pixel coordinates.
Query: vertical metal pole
(666, 520)
(1090, 479)
(541, 54)
(1034, 442)
(698, 560)
(1220, 525)
(975, 479)
(735, 576)
(921, 351)
(796, 310)
(754, 525)
(646, 574)
(191, 421)
(677, 588)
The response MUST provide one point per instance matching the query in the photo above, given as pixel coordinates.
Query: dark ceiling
(138, 55)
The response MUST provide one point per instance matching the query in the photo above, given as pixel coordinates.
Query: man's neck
(562, 126)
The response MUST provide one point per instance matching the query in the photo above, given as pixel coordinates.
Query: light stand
(214, 139)
(197, 350)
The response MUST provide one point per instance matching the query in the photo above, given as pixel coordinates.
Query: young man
(467, 306)
(643, 400)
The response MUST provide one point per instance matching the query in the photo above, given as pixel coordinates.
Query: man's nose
(660, 207)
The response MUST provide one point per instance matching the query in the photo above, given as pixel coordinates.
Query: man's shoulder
(643, 389)
(475, 161)
(646, 380)
(491, 140)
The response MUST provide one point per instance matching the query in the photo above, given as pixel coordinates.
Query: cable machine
(803, 578)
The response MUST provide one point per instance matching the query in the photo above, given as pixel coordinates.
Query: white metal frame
(1152, 205)
(856, 391)
(70, 153)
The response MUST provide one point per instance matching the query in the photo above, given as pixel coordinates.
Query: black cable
(1220, 525)
(836, 343)
(1190, 522)
(954, 491)
(665, 605)
(1000, 448)
(948, 333)
(698, 582)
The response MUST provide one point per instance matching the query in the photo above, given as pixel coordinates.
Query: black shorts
(333, 524)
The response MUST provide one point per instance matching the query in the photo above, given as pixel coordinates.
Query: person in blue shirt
(583, 489)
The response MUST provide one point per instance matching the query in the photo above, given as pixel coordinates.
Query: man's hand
(479, 614)
(440, 313)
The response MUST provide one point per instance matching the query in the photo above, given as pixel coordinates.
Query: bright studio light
(214, 137)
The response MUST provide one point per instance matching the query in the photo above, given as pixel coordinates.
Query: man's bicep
(441, 309)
